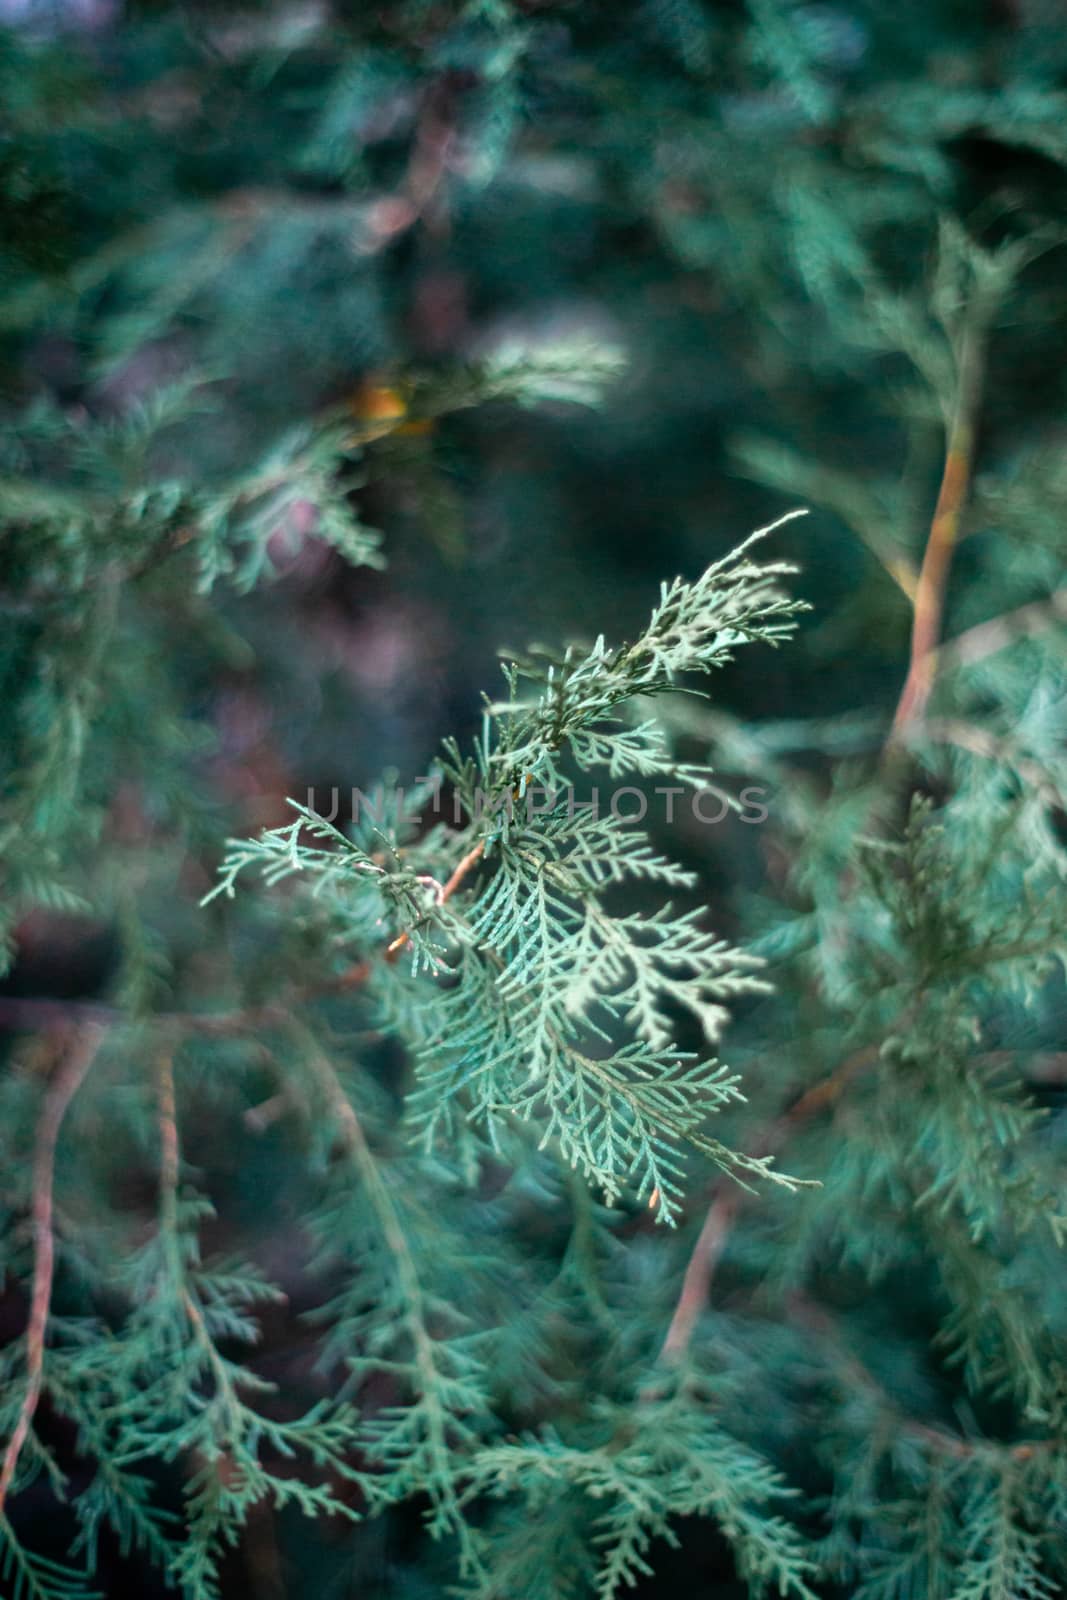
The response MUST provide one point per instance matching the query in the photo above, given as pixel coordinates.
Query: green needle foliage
(340, 344)
(535, 974)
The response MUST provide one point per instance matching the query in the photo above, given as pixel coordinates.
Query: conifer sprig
(548, 1005)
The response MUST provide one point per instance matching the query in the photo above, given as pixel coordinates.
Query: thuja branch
(169, 1172)
(567, 1005)
(434, 1386)
(61, 1091)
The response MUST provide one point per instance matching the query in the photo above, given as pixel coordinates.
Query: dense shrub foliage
(595, 1124)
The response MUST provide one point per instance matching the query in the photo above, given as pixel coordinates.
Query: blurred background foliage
(343, 344)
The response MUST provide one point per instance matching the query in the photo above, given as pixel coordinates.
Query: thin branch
(357, 1148)
(696, 1285)
(169, 1150)
(468, 863)
(944, 530)
(60, 1093)
(169, 1174)
(39, 1011)
(263, 1116)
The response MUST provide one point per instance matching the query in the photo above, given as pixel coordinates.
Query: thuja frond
(389, 1320)
(107, 508)
(28, 1576)
(694, 629)
(577, 370)
(656, 1460)
(548, 1005)
(1003, 1554)
(161, 1388)
(526, 369)
(966, 1522)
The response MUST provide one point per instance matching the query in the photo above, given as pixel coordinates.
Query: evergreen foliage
(334, 1147)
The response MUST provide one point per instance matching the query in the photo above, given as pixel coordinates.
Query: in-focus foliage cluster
(536, 973)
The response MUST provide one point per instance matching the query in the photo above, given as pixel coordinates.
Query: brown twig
(39, 1011)
(169, 1174)
(711, 1241)
(169, 1149)
(263, 1116)
(468, 863)
(60, 1093)
(944, 530)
